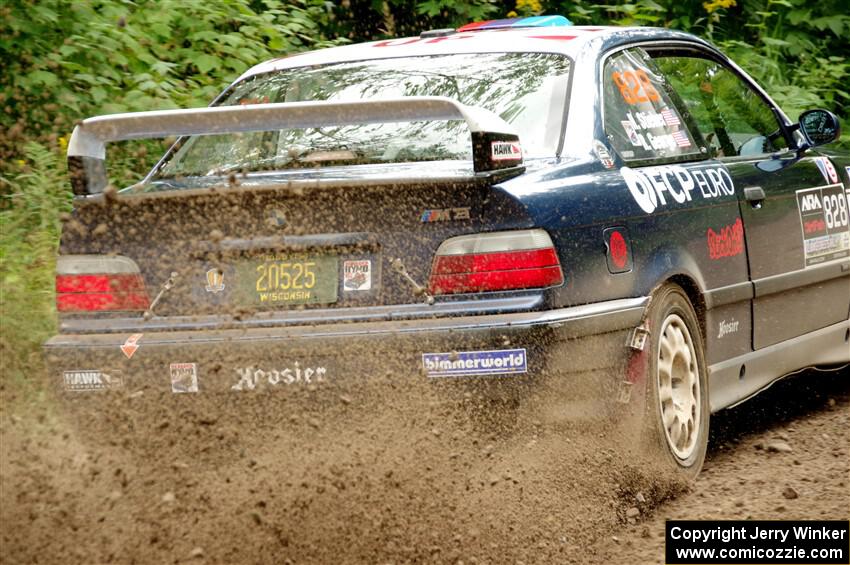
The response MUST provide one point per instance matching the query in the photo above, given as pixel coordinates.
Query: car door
(795, 218)
(689, 223)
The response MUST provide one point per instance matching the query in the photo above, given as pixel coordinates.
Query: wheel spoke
(666, 349)
(665, 393)
(684, 435)
(675, 432)
(669, 415)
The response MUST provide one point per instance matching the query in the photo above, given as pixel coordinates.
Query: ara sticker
(251, 378)
(215, 281)
(184, 377)
(81, 381)
(602, 154)
(468, 363)
(505, 151)
(825, 224)
(727, 242)
(828, 171)
(131, 345)
(356, 275)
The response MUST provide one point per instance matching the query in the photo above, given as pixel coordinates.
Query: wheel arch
(674, 266)
(695, 296)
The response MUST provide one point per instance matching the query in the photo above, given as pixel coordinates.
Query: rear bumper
(576, 339)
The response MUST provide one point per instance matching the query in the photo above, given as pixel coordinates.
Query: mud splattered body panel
(267, 279)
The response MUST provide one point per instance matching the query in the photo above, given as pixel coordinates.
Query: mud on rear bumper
(577, 339)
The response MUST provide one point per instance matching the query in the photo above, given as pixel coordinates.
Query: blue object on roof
(534, 21)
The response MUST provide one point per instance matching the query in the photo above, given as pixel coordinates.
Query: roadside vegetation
(63, 61)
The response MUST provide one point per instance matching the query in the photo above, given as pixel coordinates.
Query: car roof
(564, 40)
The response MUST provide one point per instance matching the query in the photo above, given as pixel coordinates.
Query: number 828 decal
(825, 220)
(635, 86)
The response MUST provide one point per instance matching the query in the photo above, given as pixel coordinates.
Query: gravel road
(362, 481)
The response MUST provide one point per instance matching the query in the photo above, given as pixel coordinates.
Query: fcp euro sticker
(468, 363)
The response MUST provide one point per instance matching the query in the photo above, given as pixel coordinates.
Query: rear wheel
(677, 392)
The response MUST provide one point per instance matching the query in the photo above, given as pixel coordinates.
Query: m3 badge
(215, 281)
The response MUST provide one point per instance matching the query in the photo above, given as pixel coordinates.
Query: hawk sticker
(505, 151)
(82, 381)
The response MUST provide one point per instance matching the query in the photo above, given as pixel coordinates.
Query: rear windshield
(528, 90)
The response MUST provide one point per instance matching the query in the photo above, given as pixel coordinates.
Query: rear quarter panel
(578, 201)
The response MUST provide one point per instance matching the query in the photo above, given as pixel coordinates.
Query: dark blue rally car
(515, 201)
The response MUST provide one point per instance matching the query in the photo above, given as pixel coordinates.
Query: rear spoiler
(495, 144)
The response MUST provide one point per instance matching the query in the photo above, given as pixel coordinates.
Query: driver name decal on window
(640, 119)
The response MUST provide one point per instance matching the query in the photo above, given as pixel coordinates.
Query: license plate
(284, 279)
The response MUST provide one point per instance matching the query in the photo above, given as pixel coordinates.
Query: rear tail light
(99, 283)
(496, 261)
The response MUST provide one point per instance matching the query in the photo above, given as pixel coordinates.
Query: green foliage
(68, 60)
(797, 49)
(31, 204)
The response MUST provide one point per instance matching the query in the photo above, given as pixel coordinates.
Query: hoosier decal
(464, 363)
(725, 328)
(825, 224)
(251, 378)
(80, 381)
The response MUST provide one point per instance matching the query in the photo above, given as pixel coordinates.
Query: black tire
(677, 407)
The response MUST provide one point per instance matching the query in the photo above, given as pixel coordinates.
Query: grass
(31, 203)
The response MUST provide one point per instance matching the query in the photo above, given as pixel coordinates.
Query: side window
(641, 120)
(732, 118)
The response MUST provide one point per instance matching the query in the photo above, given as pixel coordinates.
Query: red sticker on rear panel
(619, 253)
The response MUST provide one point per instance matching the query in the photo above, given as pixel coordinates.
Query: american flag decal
(670, 117)
(681, 139)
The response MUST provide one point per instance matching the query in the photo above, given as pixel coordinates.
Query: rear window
(528, 90)
(641, 120)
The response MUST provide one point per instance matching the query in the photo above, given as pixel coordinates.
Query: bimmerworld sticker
(505, 151)
(356, 275)
(465, 363)
(825, 221)
(184, 377)
(82, 381)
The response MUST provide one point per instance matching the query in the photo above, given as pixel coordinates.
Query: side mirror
(819, 127)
